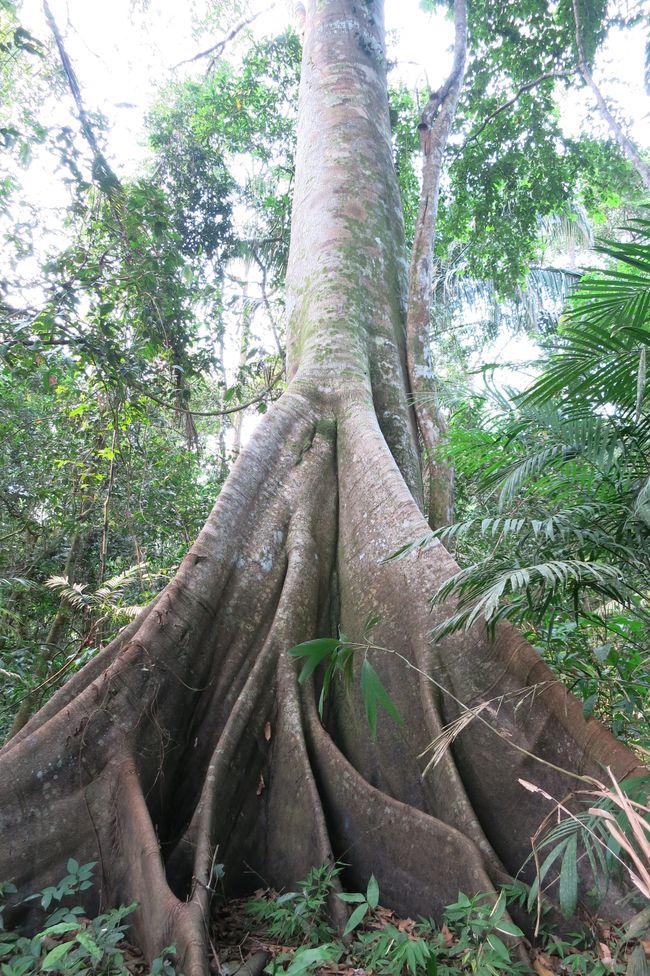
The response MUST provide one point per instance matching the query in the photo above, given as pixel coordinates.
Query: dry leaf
(447, 936)
(267, 731)
(541, 969)
(605, 954)
(261, 786)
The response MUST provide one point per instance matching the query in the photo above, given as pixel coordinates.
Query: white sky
(122, 56)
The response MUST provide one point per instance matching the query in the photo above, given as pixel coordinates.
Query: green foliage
(69, 944)
(556, 538)
(300, 916)
(510, 163)
(339, 655)
(74, 458)
(200, 131)
(600, 359)
(479, 924)
(364, 904)
(607, 831)
(470, 939)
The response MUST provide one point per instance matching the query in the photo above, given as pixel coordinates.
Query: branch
(625, 144)
(218, 48)
(217, 413)
(102, 171)
(506, 105)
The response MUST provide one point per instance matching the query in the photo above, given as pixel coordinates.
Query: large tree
(189, 738)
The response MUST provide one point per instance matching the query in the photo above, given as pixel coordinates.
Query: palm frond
(115, 584)
(492, 592)
(606, 330)
(72, 593)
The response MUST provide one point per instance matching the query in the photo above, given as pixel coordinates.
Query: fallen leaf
(267, 732)
(541, 969)
(261, 786)
(447, 936)
(605, 954)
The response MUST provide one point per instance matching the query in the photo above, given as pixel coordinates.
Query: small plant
(478, 925)
(300, 916)
(365, 903)
(339, 657)
(390, 951)
(470, 941)
(69, 944)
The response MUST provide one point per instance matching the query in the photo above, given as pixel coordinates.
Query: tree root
(189, 739)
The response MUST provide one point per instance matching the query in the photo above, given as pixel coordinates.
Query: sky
(121, 52)
(124, 50)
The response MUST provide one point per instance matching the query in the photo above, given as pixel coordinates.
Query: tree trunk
(158, 753)
(625, 144)
(435, 126)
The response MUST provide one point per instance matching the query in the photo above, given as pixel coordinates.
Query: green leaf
(327, 678)
(55, 955)
(432, 966)
(356, 918)
(353, 897)
(374, 694)
(305, 959)
(509, 928)
(498, 946)
(315, 651)
(60, 928)
(569, 878)
(91, 947)
(589, 704)
(372, 894)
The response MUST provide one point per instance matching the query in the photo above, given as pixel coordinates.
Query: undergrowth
(294, 931)
(69, 943)
(475, 936)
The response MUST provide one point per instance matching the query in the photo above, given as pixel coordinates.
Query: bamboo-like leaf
(374, 694)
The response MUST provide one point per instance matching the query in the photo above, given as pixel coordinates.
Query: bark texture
(189, 737)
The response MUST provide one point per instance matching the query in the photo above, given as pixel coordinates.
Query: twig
(218, 48)
(101, 168)
(511, 101)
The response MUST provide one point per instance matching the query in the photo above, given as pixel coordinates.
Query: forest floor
(245, 947)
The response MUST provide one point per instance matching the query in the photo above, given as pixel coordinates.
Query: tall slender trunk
(435, 127)
(625, 144)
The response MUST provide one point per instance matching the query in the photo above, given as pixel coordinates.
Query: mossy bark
(189, 738)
